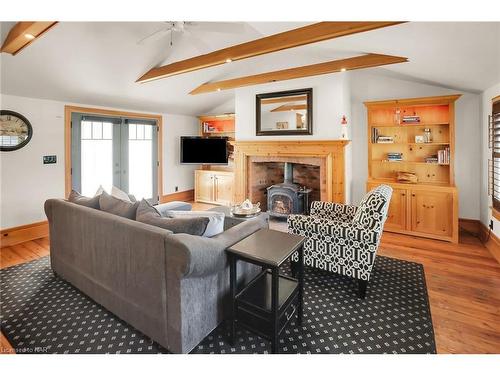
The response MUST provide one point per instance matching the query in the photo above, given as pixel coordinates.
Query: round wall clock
(15, 131)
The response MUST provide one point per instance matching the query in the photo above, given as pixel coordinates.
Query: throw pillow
(120, 194)
(99, 191)
(76, 197)
(194, 225)
(117, 206)
(215, 224)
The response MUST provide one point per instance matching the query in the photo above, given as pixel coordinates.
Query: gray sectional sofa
(171, 287)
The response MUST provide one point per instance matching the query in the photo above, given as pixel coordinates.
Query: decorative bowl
(246, 211)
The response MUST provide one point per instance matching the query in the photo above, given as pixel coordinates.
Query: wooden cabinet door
(224, 188)
(432, 212)
(398, 211)
(204, 186)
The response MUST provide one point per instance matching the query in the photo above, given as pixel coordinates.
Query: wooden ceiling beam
(289, 107)
(23, 34)
(358, 62)
(285, 99)
(316, 32)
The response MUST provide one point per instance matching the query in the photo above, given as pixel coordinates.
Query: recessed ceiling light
(218, 89)
(228, 60)
(29, 36)
(343, 69)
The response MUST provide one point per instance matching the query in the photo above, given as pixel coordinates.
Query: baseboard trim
(187, 195)
(15, 235)
(470, 225)
(490, 240)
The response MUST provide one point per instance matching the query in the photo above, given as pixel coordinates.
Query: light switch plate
(49, 159)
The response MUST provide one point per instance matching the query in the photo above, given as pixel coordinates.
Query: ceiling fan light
(29, 36)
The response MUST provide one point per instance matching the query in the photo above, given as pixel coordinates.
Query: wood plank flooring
(463, 282)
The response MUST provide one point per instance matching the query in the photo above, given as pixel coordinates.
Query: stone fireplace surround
(318, 164)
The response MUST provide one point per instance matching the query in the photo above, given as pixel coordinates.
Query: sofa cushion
(117, 206)
(76, 197)
(214, 226)
(193, 225)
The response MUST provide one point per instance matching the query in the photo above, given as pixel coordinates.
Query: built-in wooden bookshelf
(217, 126)
(215, 184)
(416, 136)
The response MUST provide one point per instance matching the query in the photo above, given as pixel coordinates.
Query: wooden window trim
(495, 209)
(495, 213)
(69, 110)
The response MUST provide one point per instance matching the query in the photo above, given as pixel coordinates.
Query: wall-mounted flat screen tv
(198, 150)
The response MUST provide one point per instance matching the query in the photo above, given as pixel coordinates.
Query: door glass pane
(140, 160)
(96, 156)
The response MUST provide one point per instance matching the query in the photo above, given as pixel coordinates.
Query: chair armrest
(333, 211)
(310, 226)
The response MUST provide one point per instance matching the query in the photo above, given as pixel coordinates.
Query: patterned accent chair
(343, 238)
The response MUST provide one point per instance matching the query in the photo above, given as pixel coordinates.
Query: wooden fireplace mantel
(329, 152)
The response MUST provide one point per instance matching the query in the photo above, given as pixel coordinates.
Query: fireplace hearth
(287, 197)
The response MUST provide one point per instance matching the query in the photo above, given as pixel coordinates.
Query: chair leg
(294, 267)
(362, 284)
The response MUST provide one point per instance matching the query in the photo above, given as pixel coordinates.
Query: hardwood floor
(463, 282)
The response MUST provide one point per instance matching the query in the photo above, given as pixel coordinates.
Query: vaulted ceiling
(98, 62)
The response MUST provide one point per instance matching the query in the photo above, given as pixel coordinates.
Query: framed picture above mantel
(284, 113)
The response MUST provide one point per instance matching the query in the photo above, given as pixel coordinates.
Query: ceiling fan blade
(219, 27)
(158, 34)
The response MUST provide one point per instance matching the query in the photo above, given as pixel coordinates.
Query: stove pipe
(288, 171)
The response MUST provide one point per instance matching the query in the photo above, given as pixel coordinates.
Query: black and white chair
(343, 238)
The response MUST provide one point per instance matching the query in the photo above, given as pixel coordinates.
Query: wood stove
(287, 197)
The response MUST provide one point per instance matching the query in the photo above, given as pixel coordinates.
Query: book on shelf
(411, 119)
(385, 139)
(207, 128)
(374, 135)
(394, 156)
(442, 157)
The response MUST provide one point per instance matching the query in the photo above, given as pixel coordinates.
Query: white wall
(331, 101)
(485, 217)
(368, 87)
(175, 174)
(26, 182)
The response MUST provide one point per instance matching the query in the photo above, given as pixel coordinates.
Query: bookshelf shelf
(422, 124)
(411, 162)
(414, 144)
(429, 206)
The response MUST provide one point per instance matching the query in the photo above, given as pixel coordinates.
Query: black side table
(270, 300)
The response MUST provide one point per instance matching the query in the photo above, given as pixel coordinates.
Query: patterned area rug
(42, 314)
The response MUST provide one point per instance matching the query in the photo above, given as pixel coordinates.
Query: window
(114, 151)
(494, 143)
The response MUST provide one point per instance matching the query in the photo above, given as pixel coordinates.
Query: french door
(115, 151)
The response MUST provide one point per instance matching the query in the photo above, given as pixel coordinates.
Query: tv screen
(198, 150)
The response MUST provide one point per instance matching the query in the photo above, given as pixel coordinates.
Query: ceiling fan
(186, 27)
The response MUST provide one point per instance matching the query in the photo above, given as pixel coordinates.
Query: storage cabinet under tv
(215, 187)
(415, 137)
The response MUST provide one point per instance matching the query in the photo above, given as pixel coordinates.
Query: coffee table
(267, 304)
